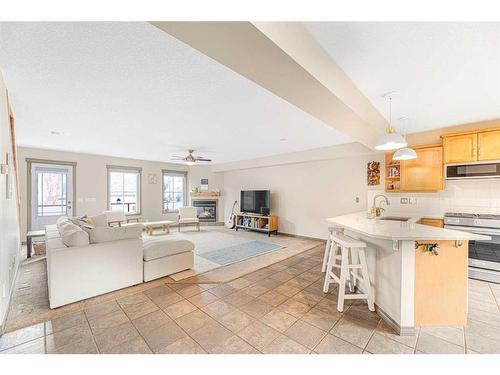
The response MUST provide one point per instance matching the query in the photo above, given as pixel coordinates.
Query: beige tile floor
(277, 309)
(30, 302)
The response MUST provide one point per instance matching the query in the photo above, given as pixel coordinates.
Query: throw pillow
(73, 235)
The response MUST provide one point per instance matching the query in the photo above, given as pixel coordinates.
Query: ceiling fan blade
(199, 158)
(177, 158)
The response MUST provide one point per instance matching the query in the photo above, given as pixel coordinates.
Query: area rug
(216, 248)
(233, 254)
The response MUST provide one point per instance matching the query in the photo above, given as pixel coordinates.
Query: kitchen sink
(395, 218)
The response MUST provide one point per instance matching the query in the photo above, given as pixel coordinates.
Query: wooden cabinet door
(432, 222)
(460, 148)
(425, 173)
(488, 145)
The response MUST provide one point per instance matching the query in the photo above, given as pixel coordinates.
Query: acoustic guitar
(231, 222)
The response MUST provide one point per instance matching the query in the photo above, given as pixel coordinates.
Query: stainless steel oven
(484, 256)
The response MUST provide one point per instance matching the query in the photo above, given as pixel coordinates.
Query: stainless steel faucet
(378, 209)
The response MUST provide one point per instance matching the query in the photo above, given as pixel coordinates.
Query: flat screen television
(253, 201)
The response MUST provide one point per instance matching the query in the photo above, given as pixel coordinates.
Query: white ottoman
(163, 257)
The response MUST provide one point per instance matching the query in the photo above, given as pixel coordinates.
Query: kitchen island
(413, 287)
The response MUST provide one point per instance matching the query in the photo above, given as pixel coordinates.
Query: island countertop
(399, 230)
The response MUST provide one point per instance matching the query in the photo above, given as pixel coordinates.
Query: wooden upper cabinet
(488, 145)
(425, 173)
(460, 148)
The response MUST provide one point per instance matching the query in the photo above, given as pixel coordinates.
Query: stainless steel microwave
(472, 170)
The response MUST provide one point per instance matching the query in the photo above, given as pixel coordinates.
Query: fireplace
(206, 210)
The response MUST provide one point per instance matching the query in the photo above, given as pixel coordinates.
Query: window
(51, 194)
(174, 190)
(124, 189)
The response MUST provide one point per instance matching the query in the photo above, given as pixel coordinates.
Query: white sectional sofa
(78, 272)
(83, 263)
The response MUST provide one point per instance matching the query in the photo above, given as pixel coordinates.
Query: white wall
(91, 181)
(303, 195)
(9, 221)
(470, 196)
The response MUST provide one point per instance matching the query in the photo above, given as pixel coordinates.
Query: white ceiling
(445, 73)
(130, 90)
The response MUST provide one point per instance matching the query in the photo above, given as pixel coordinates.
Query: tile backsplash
(470, 196)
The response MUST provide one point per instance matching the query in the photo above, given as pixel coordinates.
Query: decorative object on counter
(152, 179)
(373, 173)
(431, 248)
(390, 140)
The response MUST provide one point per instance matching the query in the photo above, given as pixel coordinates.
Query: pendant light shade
(390, 141)
(405, 153)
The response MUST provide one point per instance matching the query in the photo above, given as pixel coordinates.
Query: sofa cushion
(62, 222)
(100, 220)
(62, 219)
(154, 249)
(106, 234)
(73, 235)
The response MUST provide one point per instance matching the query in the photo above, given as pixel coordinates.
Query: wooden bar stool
(352, 258)
(331, 232)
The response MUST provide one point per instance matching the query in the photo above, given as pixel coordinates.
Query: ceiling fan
(190, 159)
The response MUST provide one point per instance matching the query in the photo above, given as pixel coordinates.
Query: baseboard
(402, 331)
(11, 292)
(300, 236)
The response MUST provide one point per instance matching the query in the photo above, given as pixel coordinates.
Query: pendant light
(390, 140)
(405, 153)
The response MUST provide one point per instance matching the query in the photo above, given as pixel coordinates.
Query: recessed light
(282, 139)
(54, 132)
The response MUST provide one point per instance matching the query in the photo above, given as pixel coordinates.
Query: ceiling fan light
(390, 141)
(404, 153)
(190, 163)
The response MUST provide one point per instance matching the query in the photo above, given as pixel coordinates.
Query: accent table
(29, 239)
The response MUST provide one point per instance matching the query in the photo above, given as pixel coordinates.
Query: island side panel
(441, 285)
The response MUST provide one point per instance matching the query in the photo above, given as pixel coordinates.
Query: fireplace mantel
(205, 195)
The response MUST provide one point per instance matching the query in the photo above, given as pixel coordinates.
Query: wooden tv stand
(258, 223)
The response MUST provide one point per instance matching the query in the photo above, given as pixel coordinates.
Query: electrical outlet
(404, 200)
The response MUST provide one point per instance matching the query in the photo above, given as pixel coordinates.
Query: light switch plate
(412, 200)
(404, 200)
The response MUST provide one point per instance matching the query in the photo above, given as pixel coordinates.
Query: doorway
(51, 193)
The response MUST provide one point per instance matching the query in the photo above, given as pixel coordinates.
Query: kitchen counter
(412, 287)
(399, 230)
